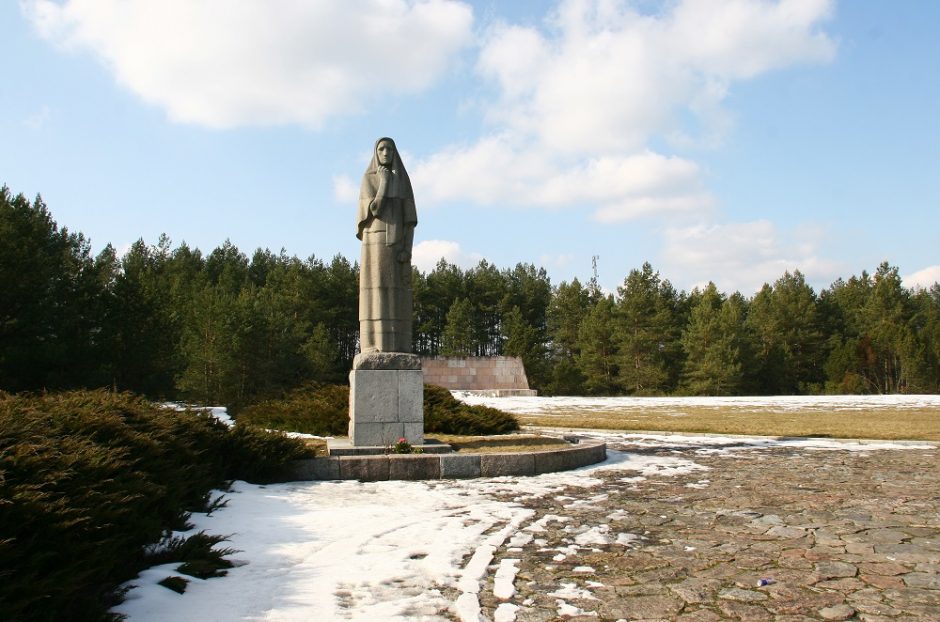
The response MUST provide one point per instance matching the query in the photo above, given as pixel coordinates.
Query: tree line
(173, 323)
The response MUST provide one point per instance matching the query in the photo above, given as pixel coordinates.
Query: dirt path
(750, 534)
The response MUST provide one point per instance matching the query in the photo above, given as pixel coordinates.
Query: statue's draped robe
(385, 296)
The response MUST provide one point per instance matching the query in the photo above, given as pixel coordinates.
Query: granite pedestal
(386, 400)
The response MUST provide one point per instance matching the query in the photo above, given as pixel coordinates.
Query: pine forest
(225, 328)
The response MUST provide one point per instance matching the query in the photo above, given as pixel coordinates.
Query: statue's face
(385, 152)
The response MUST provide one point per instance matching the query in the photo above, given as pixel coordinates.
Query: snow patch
(503, 587)
(673, 405)
(599, 534)
(628, 539)
(505, 612)
(570, 611)
(571, 591)
(390, 550)
(539, 525)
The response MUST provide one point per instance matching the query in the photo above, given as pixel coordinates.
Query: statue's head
(385, 151)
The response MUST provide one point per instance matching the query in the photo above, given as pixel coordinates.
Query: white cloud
(498, 171)
(224, 63)
(426, 254)
(344, 190)
(581, 99)
(925, 278)
(609, 77)
(743, 256)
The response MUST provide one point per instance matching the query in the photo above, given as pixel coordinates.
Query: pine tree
(147, 323)
(597, 358)
(442, 286)
(522, 340)
(887, 314)
(458, 337)
(207, 346)
(569, 306)
(789, 331)
(50, 320)
(647, 333)
(926, 322)
(842, 305)
(322, 355)
(882, 345)
(486, 290)
(529, 293)
(714, 342)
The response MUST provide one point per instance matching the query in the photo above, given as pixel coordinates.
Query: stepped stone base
(343, 447)
(447, 465)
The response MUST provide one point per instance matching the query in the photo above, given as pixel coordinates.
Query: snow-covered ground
(219, 412)
(783, 403)
(387, 550)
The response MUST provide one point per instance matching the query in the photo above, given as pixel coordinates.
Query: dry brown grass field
(918, 423)
(854, 417)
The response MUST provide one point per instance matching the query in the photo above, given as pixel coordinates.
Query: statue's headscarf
(398, 187)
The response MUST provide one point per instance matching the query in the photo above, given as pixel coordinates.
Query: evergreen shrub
(444, 414)
(321, 409)
(88, 479)
(324, 410)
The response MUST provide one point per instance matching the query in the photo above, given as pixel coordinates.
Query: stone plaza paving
(781, 533)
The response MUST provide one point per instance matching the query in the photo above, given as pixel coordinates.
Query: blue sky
(724, 140)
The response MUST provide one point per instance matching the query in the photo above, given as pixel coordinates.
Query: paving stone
(835, 570)
(879, 536)
(702, 615)
(881, 581)
(648, 589)
(744, 596)
(929, 581)
(910, 553)
(848, 584)
(694, 591)
(921, 612)
(642, 608)
(700, 552)
(744, 611)
(530, 614)
(862, 548)
(768, 520)
(824, 553)
(887, 569)
(929, 544)
(826, 536)
(911, 595)
(781, 531)
(875, 608)
(839, 612)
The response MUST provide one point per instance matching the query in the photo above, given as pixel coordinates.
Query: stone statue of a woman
(385, 224)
